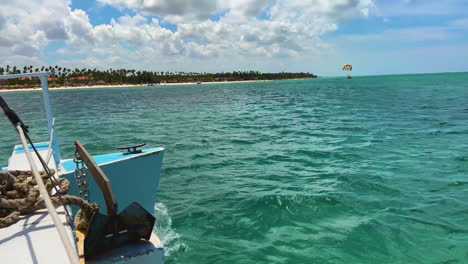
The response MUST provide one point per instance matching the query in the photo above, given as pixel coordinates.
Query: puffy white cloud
(180, 11)
(26, 27)
(78, 27)
(189, 11)
(172, 10)
(319, 11)
(245, 30)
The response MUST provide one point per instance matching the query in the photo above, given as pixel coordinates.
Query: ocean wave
(173, 242)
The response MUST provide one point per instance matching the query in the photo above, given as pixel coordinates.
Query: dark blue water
(368, 170)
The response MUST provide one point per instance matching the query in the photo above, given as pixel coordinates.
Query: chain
(81, 177)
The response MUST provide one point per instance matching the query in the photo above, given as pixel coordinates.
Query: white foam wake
(171, 239)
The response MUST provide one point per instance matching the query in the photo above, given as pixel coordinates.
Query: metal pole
(72, 255)
(50, 118)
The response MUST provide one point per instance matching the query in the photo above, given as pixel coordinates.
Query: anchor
(113, 230)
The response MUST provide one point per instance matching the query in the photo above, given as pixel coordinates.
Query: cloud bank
(235, 30)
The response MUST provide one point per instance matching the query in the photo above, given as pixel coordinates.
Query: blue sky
(319, 36)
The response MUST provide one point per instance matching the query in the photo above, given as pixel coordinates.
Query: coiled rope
(19, 196)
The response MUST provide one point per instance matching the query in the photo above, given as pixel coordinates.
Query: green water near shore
(367, 170)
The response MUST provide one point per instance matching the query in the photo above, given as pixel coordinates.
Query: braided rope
(20, 196)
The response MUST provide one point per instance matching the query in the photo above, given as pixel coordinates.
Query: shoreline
(129, 85)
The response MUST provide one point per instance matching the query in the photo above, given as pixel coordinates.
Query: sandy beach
(118, 86)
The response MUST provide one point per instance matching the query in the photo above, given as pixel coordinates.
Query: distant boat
(199, 82)
(348, 67)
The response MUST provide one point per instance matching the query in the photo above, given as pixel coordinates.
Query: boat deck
(33, 239)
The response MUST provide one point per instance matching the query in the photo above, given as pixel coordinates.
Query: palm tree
(117, 76)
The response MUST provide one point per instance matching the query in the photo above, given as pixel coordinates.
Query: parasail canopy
(347, 67)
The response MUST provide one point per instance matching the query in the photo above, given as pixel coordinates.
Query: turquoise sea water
(368, 170)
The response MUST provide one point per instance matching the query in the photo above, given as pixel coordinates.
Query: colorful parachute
(347, 67)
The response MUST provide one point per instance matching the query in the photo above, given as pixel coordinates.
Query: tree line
(62, 76)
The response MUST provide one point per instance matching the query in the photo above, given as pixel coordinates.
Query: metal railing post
(50, 118)
(68, 245)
